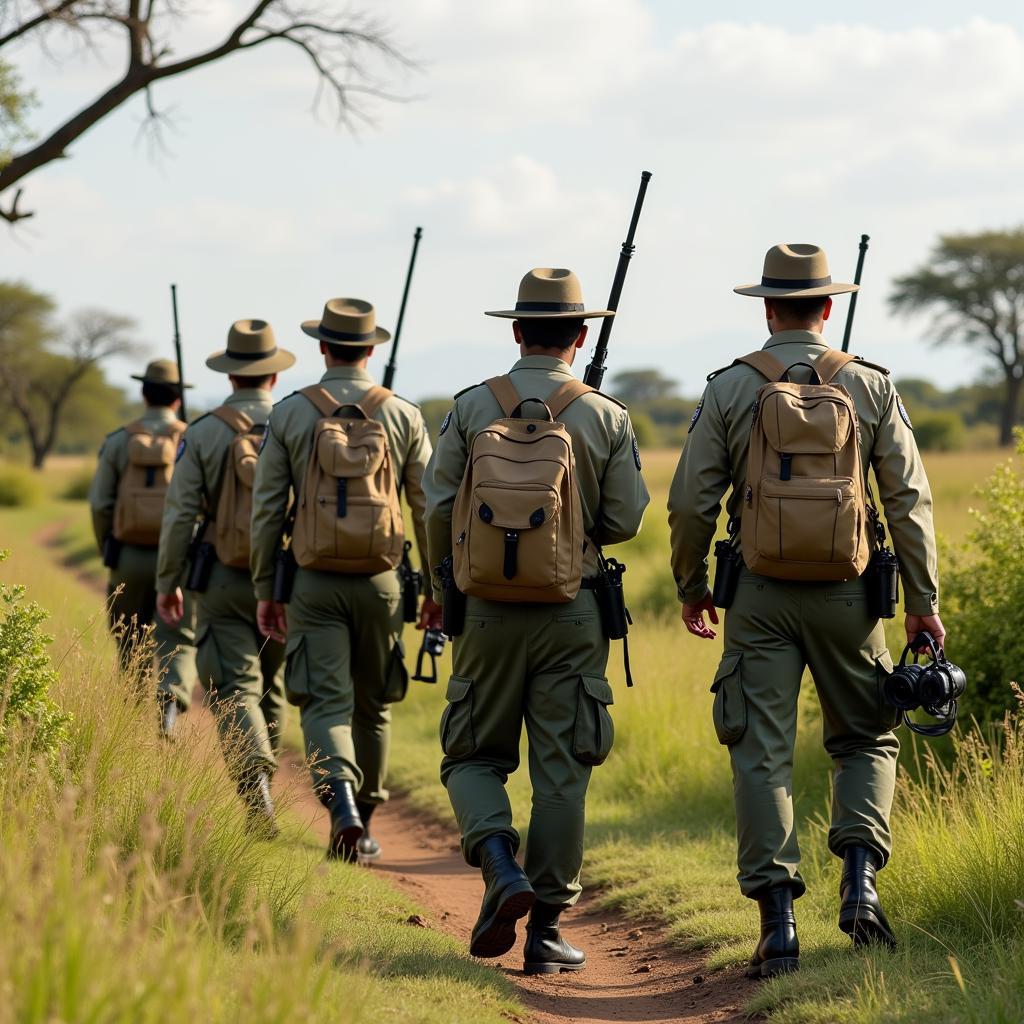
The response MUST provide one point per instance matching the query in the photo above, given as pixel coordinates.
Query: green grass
(133, 893)
(661, 826)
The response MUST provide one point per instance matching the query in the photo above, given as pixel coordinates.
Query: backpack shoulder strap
(505, 392)
(765, 363)
(324, 402)
(564, 396)
(237, 420)
(371, 402)
(830, 362)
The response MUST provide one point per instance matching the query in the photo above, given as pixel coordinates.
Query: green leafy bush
(18, 487)
(985, 596)
(940, 432)
(26, 676)
(77, 488)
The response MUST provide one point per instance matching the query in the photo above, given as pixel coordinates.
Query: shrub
(985, 596)
(940, 432)
(77, 488)
(18, 487)
(26, 676)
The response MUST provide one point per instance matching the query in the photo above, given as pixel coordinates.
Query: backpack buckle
(786, 469)
(511, 565)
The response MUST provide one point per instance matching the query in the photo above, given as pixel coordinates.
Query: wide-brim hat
(347, 322)
(251, 352)
(551, 293)
(795, 271)
(161, 371)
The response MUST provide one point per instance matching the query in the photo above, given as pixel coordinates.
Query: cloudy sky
(520, 144)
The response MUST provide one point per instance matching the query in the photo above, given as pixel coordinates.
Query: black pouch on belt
(111, 551)
(202, 556)
(412, 583)
(882, 576)
(453, 600)
(728, 565)
(611, 604)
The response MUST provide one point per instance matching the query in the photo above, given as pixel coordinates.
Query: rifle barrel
(389, 370)
(594, 375)
(182, 414)
(864, 239)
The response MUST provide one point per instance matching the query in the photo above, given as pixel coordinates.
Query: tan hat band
(327, 332)
(550, 307)
(250, 356)
(799, 282)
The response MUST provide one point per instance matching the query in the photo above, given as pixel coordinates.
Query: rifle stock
(389, 370)
(864, 239)
(594, 375)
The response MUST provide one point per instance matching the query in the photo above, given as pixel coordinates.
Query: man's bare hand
(171, 607)
(430, 614)
(272, 619)
(693, 618)
(916, 624)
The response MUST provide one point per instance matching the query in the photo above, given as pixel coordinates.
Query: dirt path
(632, 973)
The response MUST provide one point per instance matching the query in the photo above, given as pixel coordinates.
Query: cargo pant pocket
(296, 671)
(730, 707)
(889, 716)
(457, 736)
(594, 731)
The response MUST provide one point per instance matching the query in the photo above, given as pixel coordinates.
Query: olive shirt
(111, 466)
(202, 459)
(715, 457)
(285, 453)
(612, 489)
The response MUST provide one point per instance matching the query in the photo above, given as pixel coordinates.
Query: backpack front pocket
(804, 521)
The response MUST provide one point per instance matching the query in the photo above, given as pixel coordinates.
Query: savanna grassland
(147, 895)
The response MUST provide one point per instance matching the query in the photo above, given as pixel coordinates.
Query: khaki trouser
(542, 666)
(772, 632)
(343, 670)
(243, 670)
(133, 611)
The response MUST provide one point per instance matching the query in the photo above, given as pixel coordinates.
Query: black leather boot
(346, 826)
(779, 949)
(860, 911)
(368, 847)
(508, 896)
(254, 789)
(546, 952)
(169, 712)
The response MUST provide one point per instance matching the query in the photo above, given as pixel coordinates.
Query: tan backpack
(142, 489)
(233, 512)
(349, 519)
(518, 517)
(804, 514)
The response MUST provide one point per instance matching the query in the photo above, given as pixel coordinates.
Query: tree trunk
(1011, 406)
(39, 454)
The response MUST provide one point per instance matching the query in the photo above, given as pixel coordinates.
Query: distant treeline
(964, 417)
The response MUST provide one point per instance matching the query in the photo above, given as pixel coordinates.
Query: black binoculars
(935, 687)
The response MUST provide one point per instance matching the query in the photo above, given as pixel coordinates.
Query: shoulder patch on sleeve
(182, 445)
(904, 415)
(696, 416)
(447, 422)
(636, 454)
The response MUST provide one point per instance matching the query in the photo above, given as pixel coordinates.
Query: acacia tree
(41, 367)
(336, 43)
(974, 284)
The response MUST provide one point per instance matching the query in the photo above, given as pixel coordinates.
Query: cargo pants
(133, 611)
(774, 630)
(243, 670)
(343, 670)
(542, 666)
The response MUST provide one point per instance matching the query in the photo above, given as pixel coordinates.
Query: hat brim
(761, 291)
(167, 383)
(312, 328)
(221, 362)
(514, 314)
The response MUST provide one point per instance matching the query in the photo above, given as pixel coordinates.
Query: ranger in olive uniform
(131, 591)
(539, 664)
(775, 628)
(243, 670)
(343, 657)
